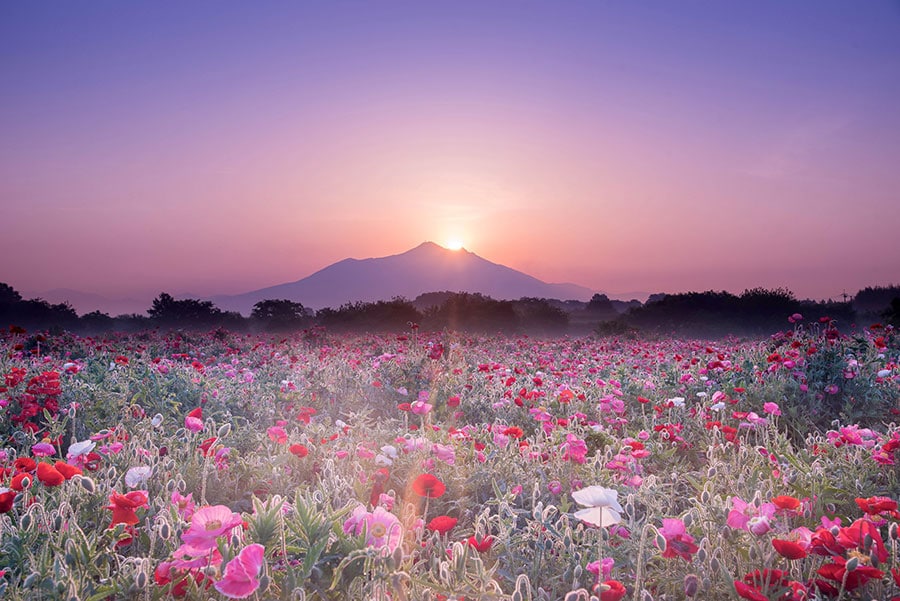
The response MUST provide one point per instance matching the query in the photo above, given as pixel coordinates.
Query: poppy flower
(483, 545)
(49, 475)
(299, 450)
(207, 524)
(68, 471)
(21, 481)
(426, 485)
(796, 545)
(24, 464)
(7, 498)
(612, 590)
(193, 421)
(876, 505)
(123, 506)
(603, 508)
(241, 578)
(678, 542)
(442, 524)
(787, 503)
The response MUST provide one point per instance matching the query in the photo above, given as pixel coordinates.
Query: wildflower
(772, 408)
(602, 504)
(7, 498)
(209, 523)
(183, 504)
(194, 420)
(445, 453)
(49, 475)
(796, 545)
(786, 503)
(123, 506)
(277, 435)
(381, 527)
(299, 450)
(442, 524)
(877, 505)
(68, 471)
(575, 449)
(241, 578)
(427, 485)
(612, 590)
(850, 578)
(137, 476)
(483, 545)
(43, 449)
(678, 541)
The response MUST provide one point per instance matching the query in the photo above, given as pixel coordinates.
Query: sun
(454, 244)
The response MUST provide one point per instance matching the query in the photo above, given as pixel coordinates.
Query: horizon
(623, 148)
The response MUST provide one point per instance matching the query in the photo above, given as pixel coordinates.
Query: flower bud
(852, 564)
(224, 430)
(87, 484)
(691, 584)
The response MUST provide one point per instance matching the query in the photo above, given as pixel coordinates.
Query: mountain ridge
(424, 268)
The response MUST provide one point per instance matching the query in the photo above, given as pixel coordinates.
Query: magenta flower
(43, 449)
(678, 542)
(184, 504)
(277, 434)
(381, 527)
(241, 578)
(208, 524)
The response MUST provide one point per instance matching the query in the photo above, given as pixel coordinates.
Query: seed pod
(25, 523)
(661, 542)
(140, 580)
(714, 564)
(691, 584)
(87, 484)
(224, 430)
(704, 497)
(688, 519)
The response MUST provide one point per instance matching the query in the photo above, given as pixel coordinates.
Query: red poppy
(749, 592)
(299, 450)
(615, 592)
(123, 506)
(25, 464)
(20, 482)
(514, 432)
(49, 475)
(875, 505)
(790, 549)
(426, 485)
(7, 498)
(68, 471)
(442, 524)
(206, 446)
(838, 572)
(483, 545)
(786, 502)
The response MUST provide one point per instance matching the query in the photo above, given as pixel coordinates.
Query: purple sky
(219, 147)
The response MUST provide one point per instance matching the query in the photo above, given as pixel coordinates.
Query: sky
(221, 147)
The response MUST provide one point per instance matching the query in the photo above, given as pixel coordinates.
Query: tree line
(711, 313)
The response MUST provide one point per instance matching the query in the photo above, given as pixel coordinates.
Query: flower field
(434, 466)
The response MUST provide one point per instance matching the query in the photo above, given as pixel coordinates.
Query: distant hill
(425, 268)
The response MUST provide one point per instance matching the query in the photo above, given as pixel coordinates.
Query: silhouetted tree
(280, 314)
(190, 312)
(892, 314)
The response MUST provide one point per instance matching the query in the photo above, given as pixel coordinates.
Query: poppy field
(427, 466)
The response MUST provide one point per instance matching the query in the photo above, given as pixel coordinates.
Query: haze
(220, 147)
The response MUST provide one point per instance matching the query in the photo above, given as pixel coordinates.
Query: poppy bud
(852, 564)
(87, 484)
(691, 584)
(224, 430)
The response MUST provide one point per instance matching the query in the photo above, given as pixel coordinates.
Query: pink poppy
(207, 524)
(241, 578)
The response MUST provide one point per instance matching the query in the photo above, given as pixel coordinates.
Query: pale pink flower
(209, 523)
(241, 578)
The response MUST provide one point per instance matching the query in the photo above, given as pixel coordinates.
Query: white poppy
(602, 504)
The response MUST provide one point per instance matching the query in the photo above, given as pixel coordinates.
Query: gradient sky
(219, 147)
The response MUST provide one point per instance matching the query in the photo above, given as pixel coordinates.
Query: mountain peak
(428, 267)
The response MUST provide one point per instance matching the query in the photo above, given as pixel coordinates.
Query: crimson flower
(614, 591)
(876, 505)
(426, 485)
(299, 450)
(786, 502)
(68, 471)
(49, 475)
(123, 506)
(7, 498)
(442, 524)
(483, 545)
(837, 571)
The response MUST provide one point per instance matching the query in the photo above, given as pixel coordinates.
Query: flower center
(213, 525)
(378, 530)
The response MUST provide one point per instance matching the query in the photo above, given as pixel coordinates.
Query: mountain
(426, 268)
